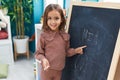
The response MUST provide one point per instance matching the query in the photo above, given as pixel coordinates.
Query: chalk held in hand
(38, 61)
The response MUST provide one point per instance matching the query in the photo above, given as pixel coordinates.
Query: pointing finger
(83, 46)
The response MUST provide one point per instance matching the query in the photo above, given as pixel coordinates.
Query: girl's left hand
(79, 50)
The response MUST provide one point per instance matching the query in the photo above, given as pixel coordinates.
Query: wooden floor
(22, 69)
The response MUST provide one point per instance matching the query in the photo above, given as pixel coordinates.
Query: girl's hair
(49, 8)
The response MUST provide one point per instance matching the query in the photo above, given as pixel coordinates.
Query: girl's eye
(49, 18)
(56, 18)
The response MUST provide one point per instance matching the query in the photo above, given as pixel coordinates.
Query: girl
(53, 45)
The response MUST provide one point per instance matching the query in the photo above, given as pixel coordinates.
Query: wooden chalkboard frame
(114, 70)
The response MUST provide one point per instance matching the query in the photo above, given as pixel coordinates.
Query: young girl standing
(53, 45)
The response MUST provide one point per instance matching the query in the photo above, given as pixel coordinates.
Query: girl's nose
(53, 21)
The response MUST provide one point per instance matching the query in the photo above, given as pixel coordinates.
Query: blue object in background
(38, 10)
(37, 13)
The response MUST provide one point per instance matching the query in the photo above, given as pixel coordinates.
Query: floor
(23, 69)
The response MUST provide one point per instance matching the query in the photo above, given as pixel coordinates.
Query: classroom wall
(37, 13)
(38, 10)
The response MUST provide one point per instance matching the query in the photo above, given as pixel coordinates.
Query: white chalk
(38, 61)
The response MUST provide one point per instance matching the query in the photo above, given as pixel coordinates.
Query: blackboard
(98, 28)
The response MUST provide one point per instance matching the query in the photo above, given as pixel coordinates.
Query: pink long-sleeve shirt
(55, 47)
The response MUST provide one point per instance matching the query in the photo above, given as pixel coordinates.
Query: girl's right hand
(45, 64)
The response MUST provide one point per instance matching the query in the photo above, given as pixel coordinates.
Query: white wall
(117, 1)
(47, 2)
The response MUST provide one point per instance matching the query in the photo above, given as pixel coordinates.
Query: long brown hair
(49, 8)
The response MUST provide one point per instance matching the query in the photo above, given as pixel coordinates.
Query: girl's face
(54, 20)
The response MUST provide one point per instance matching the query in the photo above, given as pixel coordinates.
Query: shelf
(5, 41)
(6, 49)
